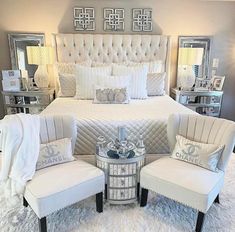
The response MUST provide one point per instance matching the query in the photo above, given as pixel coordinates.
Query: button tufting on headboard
(112, 48)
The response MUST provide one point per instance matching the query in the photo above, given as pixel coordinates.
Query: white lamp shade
(40, 55)
(190, 56)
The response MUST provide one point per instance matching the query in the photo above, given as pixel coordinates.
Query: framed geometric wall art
(84, 18)
(114, 19)
(142, 19)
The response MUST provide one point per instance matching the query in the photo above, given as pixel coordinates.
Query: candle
(121, 133)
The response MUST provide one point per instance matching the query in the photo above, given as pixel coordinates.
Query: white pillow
(71, 67)
(138, 79)
(111, 95)
(153, 66)
(56, 152)
(100, 64)
(67, 83)
(114, 81)
(86, 79)
(200, 154)
(156, 84)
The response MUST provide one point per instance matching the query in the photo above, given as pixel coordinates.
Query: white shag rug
(160, 215)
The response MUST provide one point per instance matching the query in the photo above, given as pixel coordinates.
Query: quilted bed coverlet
(141, 117)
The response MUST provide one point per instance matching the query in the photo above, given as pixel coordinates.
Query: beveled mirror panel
(193, 58)
(18, 43)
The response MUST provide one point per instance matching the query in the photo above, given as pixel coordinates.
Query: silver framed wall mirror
(194, 59)
(18, 54)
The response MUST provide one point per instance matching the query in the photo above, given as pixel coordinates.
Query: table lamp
(187, 58)
(41, 56)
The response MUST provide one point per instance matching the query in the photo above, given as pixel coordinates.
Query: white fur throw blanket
(20, 143)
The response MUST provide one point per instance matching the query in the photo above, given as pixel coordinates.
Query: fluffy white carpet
(161, 214)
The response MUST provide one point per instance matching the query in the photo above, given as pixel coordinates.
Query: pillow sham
(86, 79)
(201, 154)
(153, 66)
(138, 85)
(56, 152)
(67, 83)
(71, 67)
(156, 84)
(111, 95)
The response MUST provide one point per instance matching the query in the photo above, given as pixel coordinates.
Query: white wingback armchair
(187, 183)
(58, 186)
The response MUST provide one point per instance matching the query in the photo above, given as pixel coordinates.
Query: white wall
(171, 17)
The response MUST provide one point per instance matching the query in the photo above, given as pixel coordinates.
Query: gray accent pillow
(200, 154)
(56, 152)
(156, 84)
(109, 95)
(67, 83)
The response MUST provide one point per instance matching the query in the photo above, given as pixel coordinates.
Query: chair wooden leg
(99, 202)
(217, 199)
(200, 221)
(43, 224)
(144, 197)
(25, 203)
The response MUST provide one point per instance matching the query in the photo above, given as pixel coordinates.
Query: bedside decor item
(142, 19)
(84, 18)
(11, 80)
(188, 57)
(40, 56)
(121, 160)
(217, 82)
(114, 19)
(202, 84)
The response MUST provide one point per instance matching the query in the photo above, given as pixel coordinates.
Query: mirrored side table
(122, 175)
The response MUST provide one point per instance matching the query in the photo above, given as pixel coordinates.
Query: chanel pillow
(138, 84)
(156, 84)
(200, 154)
(67, 83)
(86, 79)
(111, 95)
(56, 152)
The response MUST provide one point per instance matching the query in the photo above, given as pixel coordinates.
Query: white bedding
(147, 117)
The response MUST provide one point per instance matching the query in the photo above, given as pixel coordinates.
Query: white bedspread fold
(20, 143)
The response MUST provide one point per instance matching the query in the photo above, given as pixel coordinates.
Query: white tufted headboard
(113, 48)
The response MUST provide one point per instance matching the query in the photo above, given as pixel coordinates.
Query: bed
(141, 117)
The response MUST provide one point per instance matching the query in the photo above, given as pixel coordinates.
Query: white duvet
(140, 117)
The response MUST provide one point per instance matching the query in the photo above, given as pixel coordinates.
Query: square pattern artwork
(84, 18)
(142, 19)
(114, 19)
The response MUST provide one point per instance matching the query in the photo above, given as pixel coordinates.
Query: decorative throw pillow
(109, 95)
(138, 83)
(100, 64)
(200, 154)
(56, 152)
(67, 83)
(70, 68)
(153, 66)
(86, 79)
(156, 84)
(114, 81)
